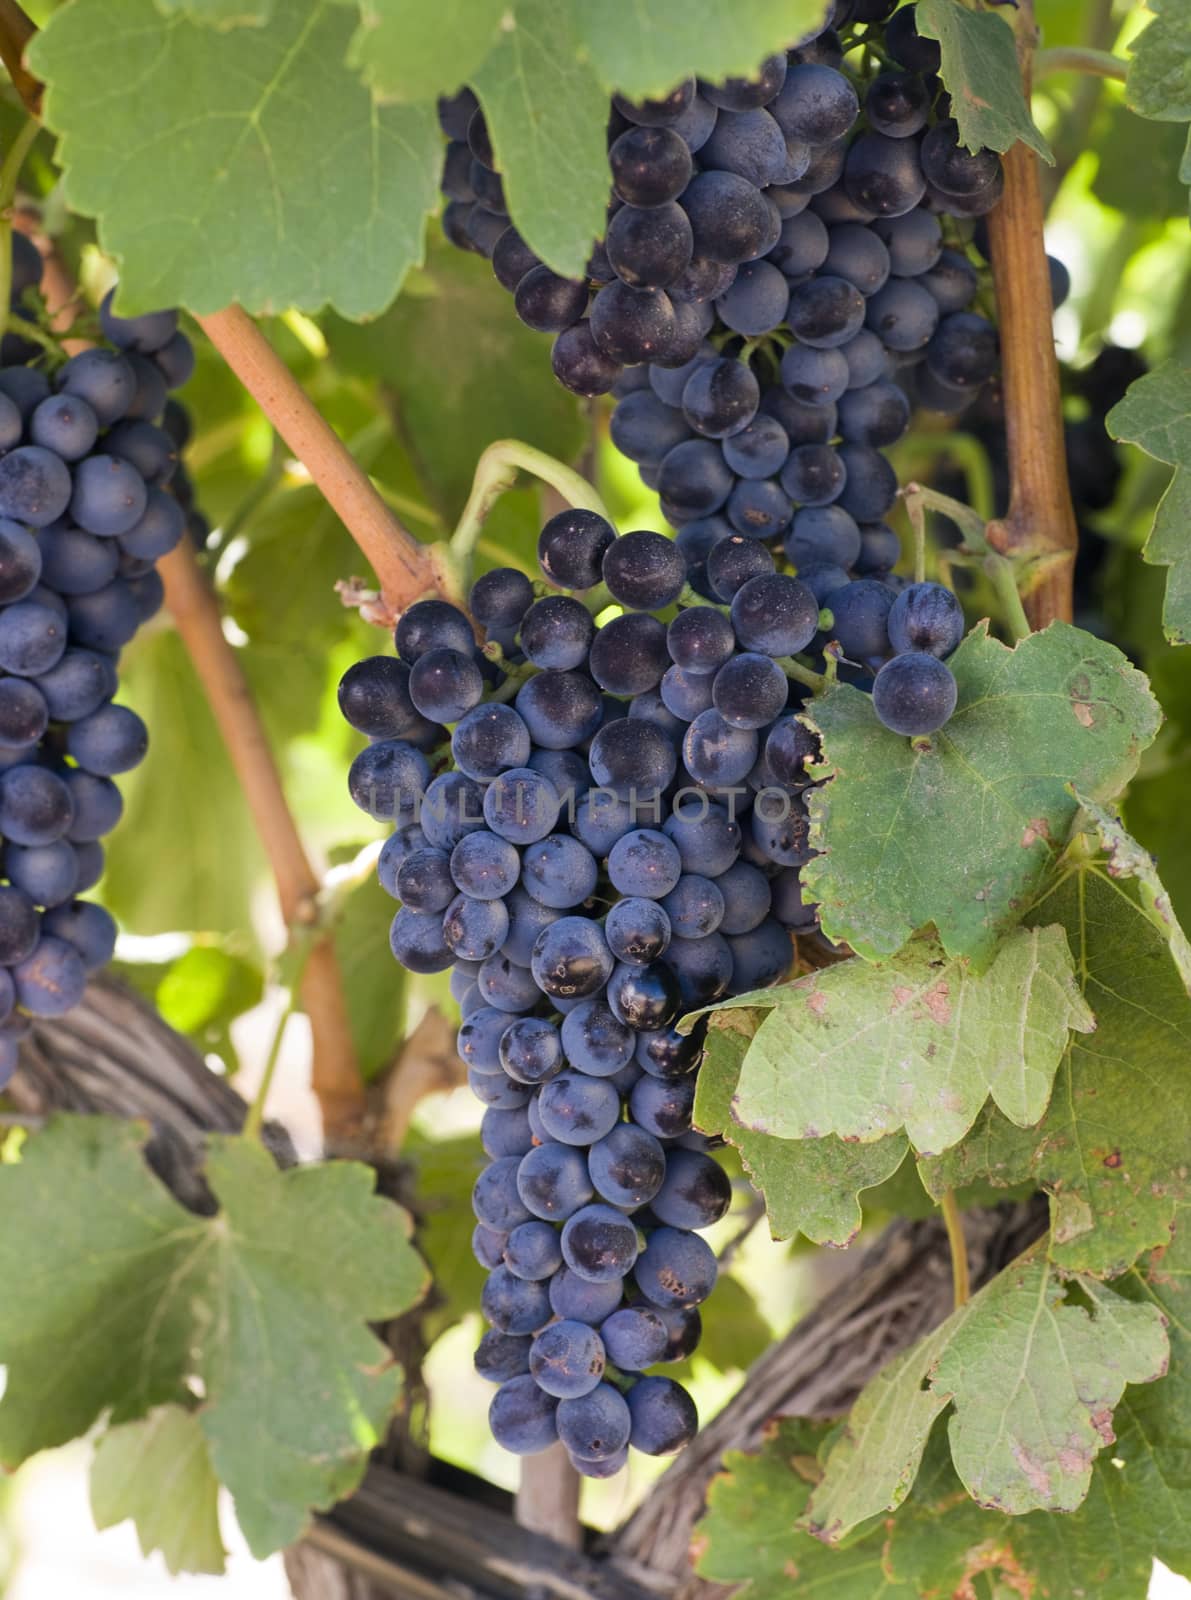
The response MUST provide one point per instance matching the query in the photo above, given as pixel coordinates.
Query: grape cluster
(89, 500)
(615, 840)
(783, 278)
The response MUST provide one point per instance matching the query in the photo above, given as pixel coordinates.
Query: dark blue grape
(730, 218)
(19, 925)
(432, 625)
(553, 1183)
(387, 780)
(531, 1050)
(91, 929)
(694, 1193)
(817, 104)
(760, 958)
(522, 1417)
(36, 806)
(757, 451)
(695, 906)
(802, 245)
(506, 1133)
(24, 714)
(416, 940)
(675, 1269)
(707, 837)
(748, 143)
(903, 314)
(750, 690)
(595, 1041)
(452, 806)
(500, 598)
(571, 959)
(759, 510)
(757, 300)
(876, 415)
(663, 1107)
(51, 980)
(599, 1243)
(560, 710)
(644, 997)
(474, 930)
(567, 1359)
(109, 496)
(501, 1356)
(558, 871)
(733, 562)
(489, 740)
(926, 616)
(663, 1415)
(506, 985)
(424, 881)
(632, 759)
(826, 312)
(35, 486)
(745, 893)
(578, 1110)
(635, 1337)
(644, 863)
(494, 1198)
(95, 803)
(46, 873)
(112, 739)
(64, 424)
(488, 1246)
(104, 379)
(917, 697)
(703, 968)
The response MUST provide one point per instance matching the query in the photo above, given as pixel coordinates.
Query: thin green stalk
(1080, 58)
(954, 1223)
(497, 471)
(1004, 582)
(917, 514)
(969, 522)
(255, 1116)
(15, 324)
(10, 174)
(814, 681)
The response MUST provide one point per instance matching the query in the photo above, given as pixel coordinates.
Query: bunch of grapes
(783, 277)
(615, 841)
(87, 455)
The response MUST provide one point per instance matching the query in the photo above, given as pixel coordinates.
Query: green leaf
(1137, 1505)
(260, 1308)
(810, 1186)
(961, 832)
(1156, 414)
(547, 115)
(416, 52)
(1125, 858)
(735, 1334)
(1112, 1148)
(220, 13)
(1159, 82)
(261, 201)
(158, 1473)
(646, 49)
(204, 991)
(917, 1043)
(1169, 546)
(442, 358)
(205, 822)
(1137, 171)
(1032, 1377)
(747, 1534)
(981, 74)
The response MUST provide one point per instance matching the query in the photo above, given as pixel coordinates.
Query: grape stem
(815, 681)
(255, 1115)
(998, 568)
(958, 1245)
(496, 472)
(16, 30)
(1039, 530)
(405, 568)
(335, 1077)
(1079, 58)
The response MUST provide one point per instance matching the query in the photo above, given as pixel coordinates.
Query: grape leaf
(981, 74)
(1137, 1506)
(1156, 414)
(1125, 858)
(258, 200)
(646, 49)
(811, 1186)
(220, 13)
(447, 353)
(547, 115)
(262, 1305)
(415, 52)
(919, 1042)
(1168, 546)
(158, 1473)
(1159, 81)
(1032, 1376)
(1112, 1148)
(960, 832)
(747, 1534)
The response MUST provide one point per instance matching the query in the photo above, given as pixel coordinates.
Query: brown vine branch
(1039, 529)
(195, 609)
(405, 569)
(16, 30)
